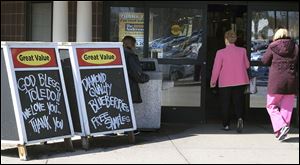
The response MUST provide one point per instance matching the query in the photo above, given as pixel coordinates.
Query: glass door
(221, 18)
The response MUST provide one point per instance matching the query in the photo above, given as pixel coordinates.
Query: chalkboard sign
(102, 87)
(106, 99)
(43, 106)
(38, 92)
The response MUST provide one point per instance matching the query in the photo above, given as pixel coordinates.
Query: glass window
(127, 21)
(264, 25)
(175, 33)
(262, 31)
(41, 22)
(293, 20)
(263, 28)
(281, 19)
(259, 99)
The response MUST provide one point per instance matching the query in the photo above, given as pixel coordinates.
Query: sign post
(38, 94)
(102, 89)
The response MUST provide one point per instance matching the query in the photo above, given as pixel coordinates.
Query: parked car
(258, 48)
(261, 73)
(175, 72)
(180, 47)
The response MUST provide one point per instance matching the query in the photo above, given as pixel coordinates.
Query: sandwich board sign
(37, 91)
(102, 88)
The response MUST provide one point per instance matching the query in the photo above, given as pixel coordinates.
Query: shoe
(240, 125)
(277, 134)
(226, 128)
(283, 133)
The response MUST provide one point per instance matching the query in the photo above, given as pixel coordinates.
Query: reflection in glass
(262, 31)
(127, 21)
(176, 72)
(175, 33)
(281, 19)
(261, 73)
(294, 25)
(258, 100)
(263, 28)
(179, 87)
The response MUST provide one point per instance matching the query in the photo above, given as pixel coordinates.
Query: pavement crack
(178, 150)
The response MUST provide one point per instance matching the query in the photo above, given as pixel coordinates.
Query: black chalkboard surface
(42, 103)
(106, 99)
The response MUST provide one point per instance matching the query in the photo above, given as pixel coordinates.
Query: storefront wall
(182, 34)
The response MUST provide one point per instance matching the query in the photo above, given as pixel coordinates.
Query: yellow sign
(132, 24)
(98, 57)
(176, 30)
(33, 58)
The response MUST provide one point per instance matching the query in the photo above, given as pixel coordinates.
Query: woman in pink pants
(282, 56)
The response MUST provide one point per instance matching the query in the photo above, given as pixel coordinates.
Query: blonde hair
(281, 33)
(230, 36)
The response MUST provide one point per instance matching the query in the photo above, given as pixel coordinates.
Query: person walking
(230, 70)
(282, 56)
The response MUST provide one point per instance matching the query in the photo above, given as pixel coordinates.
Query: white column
(84, 21)
(60, 21)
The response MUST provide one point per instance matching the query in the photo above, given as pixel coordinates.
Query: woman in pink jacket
(230, 70)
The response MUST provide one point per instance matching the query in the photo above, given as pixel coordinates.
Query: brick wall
(13, 15)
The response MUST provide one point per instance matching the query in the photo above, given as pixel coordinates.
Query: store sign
(29, 57)
(33, 58)
(176, 30)
(132, 24)
(98, 56)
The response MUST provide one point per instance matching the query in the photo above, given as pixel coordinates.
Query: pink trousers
(280, 109)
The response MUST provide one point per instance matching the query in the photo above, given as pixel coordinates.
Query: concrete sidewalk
(174, 143)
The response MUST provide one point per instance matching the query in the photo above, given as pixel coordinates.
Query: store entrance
(221, 18)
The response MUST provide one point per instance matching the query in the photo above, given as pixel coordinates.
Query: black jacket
(135, 75)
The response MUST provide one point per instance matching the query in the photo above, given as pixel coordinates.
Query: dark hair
(129, 39)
